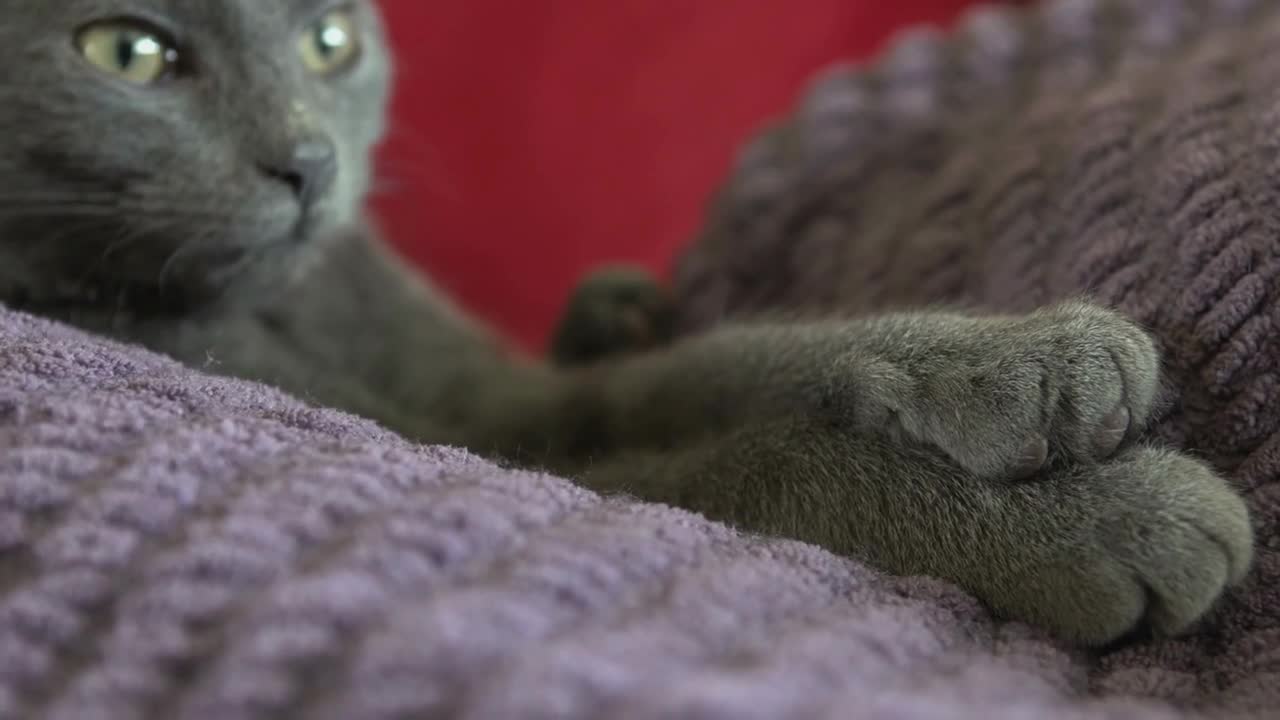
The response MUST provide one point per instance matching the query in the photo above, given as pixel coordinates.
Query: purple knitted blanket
(175, 545)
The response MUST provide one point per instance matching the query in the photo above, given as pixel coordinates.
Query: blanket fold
(177, 545)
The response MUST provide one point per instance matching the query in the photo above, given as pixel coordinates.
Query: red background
(534, 140)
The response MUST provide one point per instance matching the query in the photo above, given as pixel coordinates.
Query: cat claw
(1032, 458)
(1114, 429)
(1107, 440)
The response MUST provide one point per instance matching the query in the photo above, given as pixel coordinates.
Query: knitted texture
(1128, 150)
(176, 545)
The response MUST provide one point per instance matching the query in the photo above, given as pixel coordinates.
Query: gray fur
(144, 213)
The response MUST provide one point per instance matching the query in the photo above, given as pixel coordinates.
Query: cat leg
(1148, 538)
(614, 311)
(1000, 395)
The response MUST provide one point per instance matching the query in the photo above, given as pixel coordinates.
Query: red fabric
(535, 140)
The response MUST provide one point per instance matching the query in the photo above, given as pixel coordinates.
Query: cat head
(162, 149)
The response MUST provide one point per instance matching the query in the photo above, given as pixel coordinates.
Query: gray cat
(188, 175)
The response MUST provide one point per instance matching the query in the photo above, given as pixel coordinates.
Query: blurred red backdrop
(534, 140)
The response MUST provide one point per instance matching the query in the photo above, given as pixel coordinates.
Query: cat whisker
(191, 245)
(410, 138)
(125, 238)
(420, 163)
(119, 202)
(132, 213)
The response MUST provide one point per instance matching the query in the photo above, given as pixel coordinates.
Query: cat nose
(309, 168)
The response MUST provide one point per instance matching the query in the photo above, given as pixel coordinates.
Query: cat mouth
(66, 300)
(311, 221)
(303, 229)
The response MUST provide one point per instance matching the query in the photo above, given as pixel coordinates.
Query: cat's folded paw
(1068, 383)
(1100, 377)
(613, 311)
(1152, 538)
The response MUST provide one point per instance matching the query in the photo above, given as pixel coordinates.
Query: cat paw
(1151, 539)
(1069, 383)
(613, 311)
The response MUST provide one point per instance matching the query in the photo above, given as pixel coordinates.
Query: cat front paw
(615, 310)
(1069, 383)
(1151, 539)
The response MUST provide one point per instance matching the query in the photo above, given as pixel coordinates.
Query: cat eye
(330, 44)
(129, 51)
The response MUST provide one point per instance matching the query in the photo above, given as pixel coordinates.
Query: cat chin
(142, 292)
(80, 302)
(163, 279)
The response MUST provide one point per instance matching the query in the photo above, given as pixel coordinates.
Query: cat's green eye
(128, 51)
(331, 44)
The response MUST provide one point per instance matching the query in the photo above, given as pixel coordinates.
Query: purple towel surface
(177, 545)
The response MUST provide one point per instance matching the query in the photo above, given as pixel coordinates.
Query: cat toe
(614, 311)
(1101, 376)
(1186, 536)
